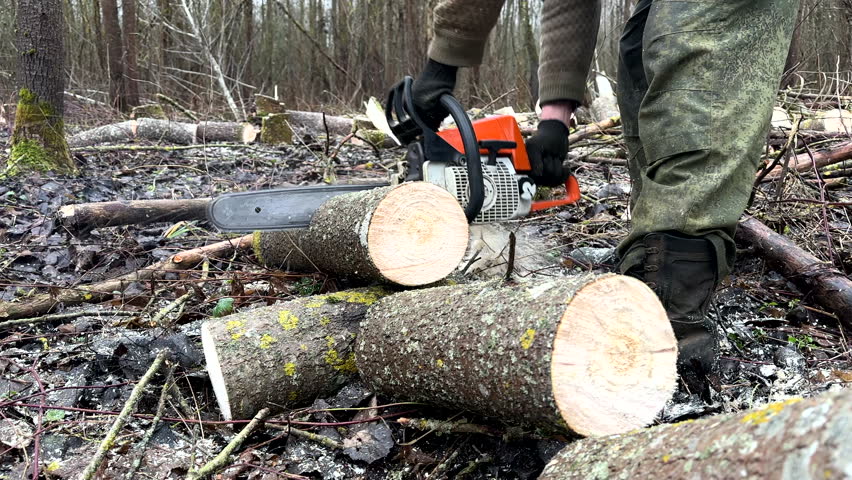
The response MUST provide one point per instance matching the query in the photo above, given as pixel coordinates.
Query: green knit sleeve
(461, 30)
(569, 31)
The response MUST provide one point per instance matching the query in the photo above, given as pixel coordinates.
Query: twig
(220, 460)
(178, 106)
(501, 97)
(135, 395)
(66, 316)
(314, 437)
(37, 439)
(161, 406)
(510, 268)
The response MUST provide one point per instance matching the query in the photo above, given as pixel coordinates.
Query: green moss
(38, 141)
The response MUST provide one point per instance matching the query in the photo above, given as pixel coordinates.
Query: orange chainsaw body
(505, 127)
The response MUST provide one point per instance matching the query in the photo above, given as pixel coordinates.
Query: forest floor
(62, 379)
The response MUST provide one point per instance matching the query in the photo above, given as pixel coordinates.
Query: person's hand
(434, 81)
(547, 150)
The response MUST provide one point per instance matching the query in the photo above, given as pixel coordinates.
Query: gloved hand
(547, 150)
(434, 81)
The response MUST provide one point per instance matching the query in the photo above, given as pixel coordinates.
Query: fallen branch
(67, 316)
(594, 129)
(174, 103)
(84, 217)
(129, 406)
(44, 303)
(796, 438)
(161, 407)
(829, 287)
(222, 458)
(316, 438)
(804, 163)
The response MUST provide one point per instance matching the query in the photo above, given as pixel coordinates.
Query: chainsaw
(484, 164)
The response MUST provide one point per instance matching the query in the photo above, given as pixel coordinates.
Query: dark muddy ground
(776, 342)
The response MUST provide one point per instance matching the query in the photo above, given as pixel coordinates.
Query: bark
(804, 162)
(284, 355)
(210, 132)
(166, 131)
(794, 439)
(265, 105)
(41, 304)
(84, 217)
(275, 129)
(38, 139)
(331, 125)
(410, 234)
(131, 49)
(826, 285)
(114, 133)
(112, 32)
(594, 355)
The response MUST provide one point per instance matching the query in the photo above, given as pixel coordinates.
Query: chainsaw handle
(473, 162)
(572, 194)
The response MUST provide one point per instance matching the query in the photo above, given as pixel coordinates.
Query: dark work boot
(683, 272)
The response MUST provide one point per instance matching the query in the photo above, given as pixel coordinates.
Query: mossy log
(794, 439)
(284, 355)
(166, 131)
(209, 132)
(410, 234)
(275, 129)
(594, 355)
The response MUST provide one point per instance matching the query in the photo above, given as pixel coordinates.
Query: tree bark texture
(793, 439)
(211, 132)
(112, 32)
(131, 51)
(113, 133)
(284, 355)
(410, 234)
(38, 139)
(84, 217)
(828, 286)
(166, 131)
(594, 355)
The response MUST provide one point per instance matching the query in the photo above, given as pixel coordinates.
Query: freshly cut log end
(412, 234)
(603, 357)
(211, 132)
(594, 355)
(792, 439)
(284, 355)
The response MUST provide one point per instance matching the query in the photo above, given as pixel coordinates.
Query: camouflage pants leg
(696, 84)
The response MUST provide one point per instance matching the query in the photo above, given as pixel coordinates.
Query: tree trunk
(594, 355)
(166, 131)
(794, 439)
(210, 132)
(828, 286)
(112, 31)
(38, 138)
(100, 48)
(131, 48)
(84, 217)
(284, 355)
(114, 133)
(411, 234)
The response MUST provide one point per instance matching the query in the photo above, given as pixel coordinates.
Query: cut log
(284, 355)
(210, 132)
(276, 130)
(166, 131)
(594, 355)
(45, 303)
(411, 234)
(115, 133)
(804, 163)
(826, 285)
(84, 217)
(265, 105)
(794, 439)
(313, 122)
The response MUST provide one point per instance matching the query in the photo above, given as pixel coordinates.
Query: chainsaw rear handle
(408, 125)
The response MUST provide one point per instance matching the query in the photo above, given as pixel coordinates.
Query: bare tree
(112, 32)
(38, 139)
(131, 48)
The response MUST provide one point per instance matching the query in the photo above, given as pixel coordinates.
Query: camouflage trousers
(696, 84)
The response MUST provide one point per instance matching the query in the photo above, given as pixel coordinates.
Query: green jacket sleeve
(568, 30)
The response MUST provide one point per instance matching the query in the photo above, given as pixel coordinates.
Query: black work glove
(434, 81)
(547, 150)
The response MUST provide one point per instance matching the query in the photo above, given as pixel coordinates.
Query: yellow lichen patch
(303, 347)
(87, 296)
(324, 320)
(289, 369)
(317, 302)
(527, 339)
(368, 297)
(266, 340)
(691, 420)
(666, 458)
(329, 341)
(440, 363)
(346, 365)
(235, 328)
(293, 396)
(764, 414)
(53, 466)
(287, 320)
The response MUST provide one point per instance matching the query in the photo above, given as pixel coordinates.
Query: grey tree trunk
(794, 439)
(131, 49)
(284, 355)
(593, 355)
(112, 32)
(38, 139)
